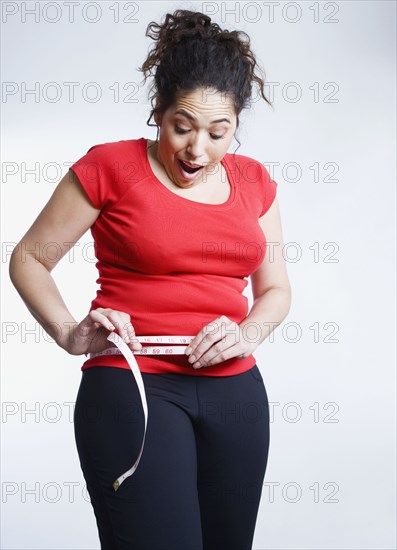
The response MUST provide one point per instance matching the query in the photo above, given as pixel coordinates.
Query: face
(198, 130)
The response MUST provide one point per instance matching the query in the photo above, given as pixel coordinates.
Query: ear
(157, 118)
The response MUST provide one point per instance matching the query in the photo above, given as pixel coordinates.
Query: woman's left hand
(218, 341)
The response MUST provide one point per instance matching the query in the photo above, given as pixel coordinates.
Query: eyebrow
(191, 117)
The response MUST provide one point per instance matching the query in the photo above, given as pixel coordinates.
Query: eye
(180, 130)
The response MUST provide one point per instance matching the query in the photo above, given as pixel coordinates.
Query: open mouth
(188, 168)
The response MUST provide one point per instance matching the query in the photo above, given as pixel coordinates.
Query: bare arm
(270, 284)
(67, 215)
(64, 219)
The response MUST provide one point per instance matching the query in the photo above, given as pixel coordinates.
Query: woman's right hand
(90, 335)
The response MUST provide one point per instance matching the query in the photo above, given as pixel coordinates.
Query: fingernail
(111, 327)
(192, 359)
(188, 350)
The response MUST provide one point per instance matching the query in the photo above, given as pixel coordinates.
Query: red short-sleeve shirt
(172, 263)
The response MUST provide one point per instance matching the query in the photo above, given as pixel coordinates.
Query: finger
(125, 329)
(229, 353)
(133, 340)
(206, 358)
(219, 352)
(210, 334)
(198, 339)
(200, 344)
(205, 339)
(118, 321)
(100, 318)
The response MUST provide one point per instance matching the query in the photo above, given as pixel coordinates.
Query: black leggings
(199, 481)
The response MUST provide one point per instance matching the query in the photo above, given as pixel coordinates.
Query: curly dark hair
(192, 52)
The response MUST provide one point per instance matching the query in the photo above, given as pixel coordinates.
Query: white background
(330, 371)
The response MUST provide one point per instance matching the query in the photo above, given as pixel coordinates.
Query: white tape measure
(123, 349)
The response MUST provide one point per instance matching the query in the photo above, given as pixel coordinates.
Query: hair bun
(184, 25)
(192, 52)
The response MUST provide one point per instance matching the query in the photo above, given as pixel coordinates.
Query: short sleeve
(96, 175)
(268, 190)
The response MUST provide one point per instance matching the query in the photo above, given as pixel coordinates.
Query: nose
(195, 147)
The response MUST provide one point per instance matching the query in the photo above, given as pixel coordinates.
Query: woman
(179, 225)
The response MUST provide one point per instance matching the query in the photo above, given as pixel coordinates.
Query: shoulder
(121, 147)
(248, 168)
(254, 181)
(108, 170)
(111, 158)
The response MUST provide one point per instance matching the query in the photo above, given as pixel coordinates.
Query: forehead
(201, 102)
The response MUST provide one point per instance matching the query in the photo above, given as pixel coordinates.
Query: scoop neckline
(224, 161)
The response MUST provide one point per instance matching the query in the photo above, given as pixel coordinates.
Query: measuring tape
(123, 349)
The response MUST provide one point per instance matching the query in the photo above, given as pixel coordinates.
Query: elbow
(283, 291)
(285, 297)
(282, 296)
(15, 270)
(16, 266)
(13, 267)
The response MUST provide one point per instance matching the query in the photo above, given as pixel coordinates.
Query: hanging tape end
(112, 337)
